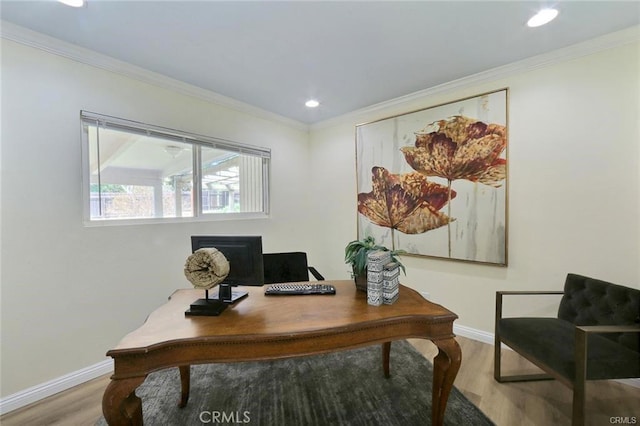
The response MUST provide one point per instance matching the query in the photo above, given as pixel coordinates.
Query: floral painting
(433, 182)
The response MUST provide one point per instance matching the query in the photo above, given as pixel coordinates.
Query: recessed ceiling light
(543, 17)
(312, 103)
(73, 3)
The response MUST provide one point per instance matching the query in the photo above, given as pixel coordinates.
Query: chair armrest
(524, 292)
(586, 329)
(315, 273)
(499, 295)
(581, 349)
(497, 338)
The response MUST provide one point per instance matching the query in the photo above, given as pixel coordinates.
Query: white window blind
(135, 171)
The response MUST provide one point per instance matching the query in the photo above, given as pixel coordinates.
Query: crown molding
(598, 44)
(71, 51)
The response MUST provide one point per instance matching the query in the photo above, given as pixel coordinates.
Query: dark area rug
(341, 388)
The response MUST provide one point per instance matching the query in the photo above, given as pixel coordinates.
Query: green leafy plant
(355, 254)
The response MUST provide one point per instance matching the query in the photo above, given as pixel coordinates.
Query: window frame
(197, 142)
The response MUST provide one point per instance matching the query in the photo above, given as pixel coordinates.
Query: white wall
(574, 185)
(69, 292)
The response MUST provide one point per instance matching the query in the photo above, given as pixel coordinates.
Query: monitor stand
(226, 295)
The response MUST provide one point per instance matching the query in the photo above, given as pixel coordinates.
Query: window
(134, 171)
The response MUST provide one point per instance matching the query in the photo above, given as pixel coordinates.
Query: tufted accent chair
(596, 336)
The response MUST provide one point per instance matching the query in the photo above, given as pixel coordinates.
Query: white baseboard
(44, 390)
(472, 333)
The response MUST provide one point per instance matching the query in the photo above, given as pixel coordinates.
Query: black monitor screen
(244, 254)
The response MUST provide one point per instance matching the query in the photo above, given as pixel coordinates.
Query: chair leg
(579, 394)
(497, 357)
(580, 381)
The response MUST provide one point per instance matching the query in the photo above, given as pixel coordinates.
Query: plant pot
(361, 282)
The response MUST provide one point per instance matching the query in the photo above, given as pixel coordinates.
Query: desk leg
(386, 350)
(185, 383)
(445, 368)
(120, 405)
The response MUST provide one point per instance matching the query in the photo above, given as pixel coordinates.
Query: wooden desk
(270, 327)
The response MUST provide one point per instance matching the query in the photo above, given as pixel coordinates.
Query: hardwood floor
(525, 404)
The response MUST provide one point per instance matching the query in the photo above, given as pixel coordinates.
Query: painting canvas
(433, 182)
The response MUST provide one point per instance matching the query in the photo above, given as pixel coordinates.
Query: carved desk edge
(142, 361)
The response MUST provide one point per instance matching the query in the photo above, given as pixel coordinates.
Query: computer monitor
(243, 252)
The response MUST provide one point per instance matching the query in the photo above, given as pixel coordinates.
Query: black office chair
(288, 267)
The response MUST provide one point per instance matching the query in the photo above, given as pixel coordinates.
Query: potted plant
(355, 254)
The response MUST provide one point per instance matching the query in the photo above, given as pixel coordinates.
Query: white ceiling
(348, 55)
